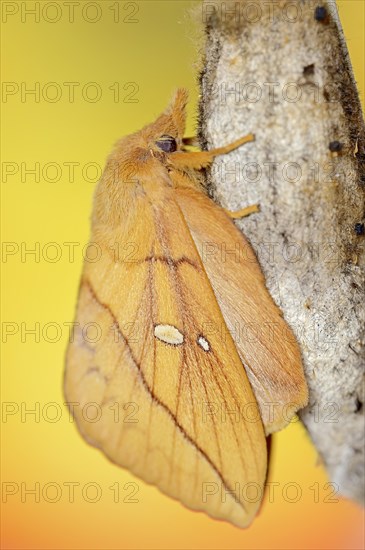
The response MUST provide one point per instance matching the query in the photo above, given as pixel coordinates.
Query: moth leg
(231, 146)
(243, 212)
(202, 159)
(191, 141)
(195, 160)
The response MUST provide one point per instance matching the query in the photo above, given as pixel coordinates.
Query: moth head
(166, 133)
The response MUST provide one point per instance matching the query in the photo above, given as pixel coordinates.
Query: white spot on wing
(169, 334)
(203, 343)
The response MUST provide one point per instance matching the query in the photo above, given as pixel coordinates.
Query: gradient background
(158, 52)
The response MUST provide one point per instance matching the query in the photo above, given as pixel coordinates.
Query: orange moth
(184, 399)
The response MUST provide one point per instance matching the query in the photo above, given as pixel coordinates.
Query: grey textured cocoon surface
(284, 74)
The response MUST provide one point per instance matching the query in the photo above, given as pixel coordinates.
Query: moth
(184, 399)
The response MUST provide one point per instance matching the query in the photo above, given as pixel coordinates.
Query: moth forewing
(186, 440)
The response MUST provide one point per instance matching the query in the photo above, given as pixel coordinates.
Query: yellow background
(158, 53)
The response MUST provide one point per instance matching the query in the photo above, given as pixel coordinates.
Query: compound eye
(167, 144)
